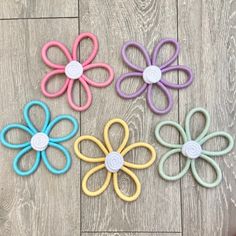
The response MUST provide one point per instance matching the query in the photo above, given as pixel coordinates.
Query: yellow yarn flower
(113, 161)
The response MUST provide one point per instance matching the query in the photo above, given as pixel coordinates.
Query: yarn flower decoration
(192, 149)
(74, 71)
(113, 161)
(40, 140)
(152, 74)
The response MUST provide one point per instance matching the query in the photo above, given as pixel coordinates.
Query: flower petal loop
(171, 124)
(50, 76)
(216, 168)
(106, 134)
(6, 129)
(158, 48)
(19, 156)
(178, 68)
(87, 92)
(188, 122)
(99, 66)
(151, 102)
(58, 119)
(102, 188)
(141, 48)
(77, 42)
(136, 181)
(27, 115)
(51, 168)
(86, 158)
(162, 163)
(226, 150)
(135, 94)
(62, 48)
(140, 145)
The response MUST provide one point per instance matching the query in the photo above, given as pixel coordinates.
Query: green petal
(188, 121)
(175, 125)
(164, 159)
(216, 168)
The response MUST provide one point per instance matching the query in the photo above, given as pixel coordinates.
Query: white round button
(192, 149)
(74, 70)
(152, 74)
(39, 141)
(114, 161)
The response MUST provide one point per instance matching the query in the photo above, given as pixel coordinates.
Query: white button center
(152, 74)
(74, 70)
(114, 161)
(39, 141)
(191, 149)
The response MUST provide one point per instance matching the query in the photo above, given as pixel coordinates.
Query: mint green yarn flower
(192, 149)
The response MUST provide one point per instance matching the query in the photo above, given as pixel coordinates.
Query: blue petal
(52, 169)
(27, 115)
(6, 129)
(19, 156)
(57, 120)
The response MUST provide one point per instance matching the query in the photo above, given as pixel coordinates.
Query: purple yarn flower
(152, 74)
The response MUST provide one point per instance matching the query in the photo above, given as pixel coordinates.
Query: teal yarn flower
(40, 140)
(192, 149)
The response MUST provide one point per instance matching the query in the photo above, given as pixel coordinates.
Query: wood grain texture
(41, 204)
(131, 234)
(158, 207)
(33, 8)
(207, 34)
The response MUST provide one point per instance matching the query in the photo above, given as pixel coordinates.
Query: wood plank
(41, 204)
(33, 8)
(158, 207)
(207, 34)
(131, 234)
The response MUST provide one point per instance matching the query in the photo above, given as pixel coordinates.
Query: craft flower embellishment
(113, 161)
(152, 75)
(193, 149)
(74, 71)
(40, 140)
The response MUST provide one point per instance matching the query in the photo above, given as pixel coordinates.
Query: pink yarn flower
(74, 71)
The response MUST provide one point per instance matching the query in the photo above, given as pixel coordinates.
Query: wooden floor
(43, 204)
